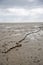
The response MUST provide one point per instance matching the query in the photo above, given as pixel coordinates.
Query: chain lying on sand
(18, 43)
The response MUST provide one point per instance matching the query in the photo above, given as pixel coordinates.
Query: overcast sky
(21, 10)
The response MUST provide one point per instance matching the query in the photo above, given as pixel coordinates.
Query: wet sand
(24, 43)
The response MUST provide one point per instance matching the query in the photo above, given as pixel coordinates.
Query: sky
(21, 11)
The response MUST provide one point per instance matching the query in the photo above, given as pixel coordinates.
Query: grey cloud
(20, 3)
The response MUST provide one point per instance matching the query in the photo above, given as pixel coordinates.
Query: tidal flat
(21, 43)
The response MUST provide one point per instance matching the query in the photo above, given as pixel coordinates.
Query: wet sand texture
(21, 44)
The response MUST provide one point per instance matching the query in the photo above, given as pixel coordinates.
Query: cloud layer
(21, 10)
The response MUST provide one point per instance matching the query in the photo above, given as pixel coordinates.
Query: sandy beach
(21, 44)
